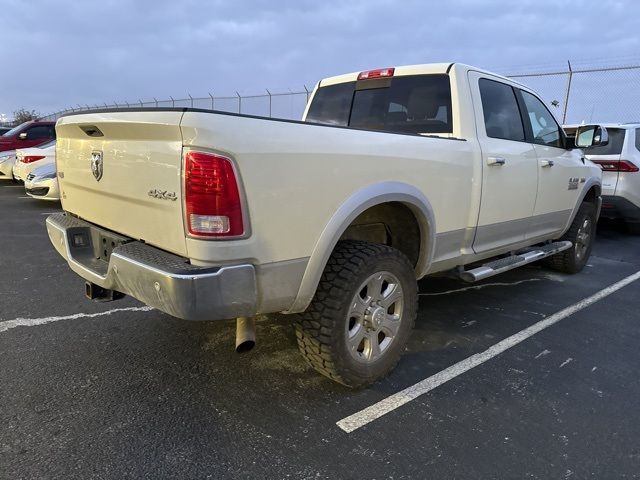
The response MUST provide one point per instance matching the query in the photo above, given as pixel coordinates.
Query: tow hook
(99, 294)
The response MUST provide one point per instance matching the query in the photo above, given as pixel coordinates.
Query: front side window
(404, 104)
(544, 127)
(501, 112)
(637, 139)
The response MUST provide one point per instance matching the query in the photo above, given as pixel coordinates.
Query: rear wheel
(582, 234)
(360, 318)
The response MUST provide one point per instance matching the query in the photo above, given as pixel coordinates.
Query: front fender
(591, 182)
(357, 203)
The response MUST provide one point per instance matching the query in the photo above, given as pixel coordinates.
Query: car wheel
(361, 316)
(582, 234)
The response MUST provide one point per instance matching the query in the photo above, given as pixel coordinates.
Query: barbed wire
(577, 91)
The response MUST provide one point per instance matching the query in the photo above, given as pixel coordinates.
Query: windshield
(14, 130)
(405, 104)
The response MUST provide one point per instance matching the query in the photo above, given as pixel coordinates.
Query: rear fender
(360, 201)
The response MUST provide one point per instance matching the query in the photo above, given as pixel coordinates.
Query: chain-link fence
(575, 95)
(589, 94)
(288, 105)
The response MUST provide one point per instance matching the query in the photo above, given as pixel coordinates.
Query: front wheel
(361, 316)
(582, 234)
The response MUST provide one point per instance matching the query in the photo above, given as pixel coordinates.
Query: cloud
(55, 54)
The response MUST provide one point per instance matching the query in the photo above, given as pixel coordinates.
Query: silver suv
(620, 163)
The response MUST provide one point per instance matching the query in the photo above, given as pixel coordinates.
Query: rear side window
(638, 139)
(405, 104)
(501, 113)
(614, 147)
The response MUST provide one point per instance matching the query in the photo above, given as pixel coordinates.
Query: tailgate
(122, 171)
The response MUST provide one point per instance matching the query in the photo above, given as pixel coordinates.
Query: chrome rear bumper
(157, 278)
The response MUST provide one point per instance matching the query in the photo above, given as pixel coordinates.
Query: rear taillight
(627, 166)
(212, 199)
(379, 73)
(31, 158)
(616, 166)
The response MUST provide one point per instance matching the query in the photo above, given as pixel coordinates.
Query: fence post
(239, 102)
(211, 100)
(566, 96)
(139, 100)
(190, 98)
(156, 100)
(306, 90)
(269, 93)
(173, 102)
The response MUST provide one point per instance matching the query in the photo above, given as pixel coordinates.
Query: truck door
(559, 169)
(509, 168)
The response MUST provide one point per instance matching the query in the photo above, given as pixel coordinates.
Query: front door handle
(496, 161)
(546, 163)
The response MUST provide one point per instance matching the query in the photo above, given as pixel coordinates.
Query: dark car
(28, 134)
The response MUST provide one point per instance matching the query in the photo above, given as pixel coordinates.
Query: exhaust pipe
(245, 334)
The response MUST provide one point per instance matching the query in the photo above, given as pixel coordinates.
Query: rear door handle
(546, 163)
(496, 161)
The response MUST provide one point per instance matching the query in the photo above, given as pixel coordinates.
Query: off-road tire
(321, 330)
(569, 261)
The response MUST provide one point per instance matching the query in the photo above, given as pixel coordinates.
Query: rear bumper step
(514, 261)
(113, 265)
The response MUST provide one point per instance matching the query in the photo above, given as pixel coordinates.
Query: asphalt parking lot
(92, 392)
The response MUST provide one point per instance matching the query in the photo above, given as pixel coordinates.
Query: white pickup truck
(392, 175)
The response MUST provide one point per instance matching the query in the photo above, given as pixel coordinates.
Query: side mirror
(23, 136)
(591, 136)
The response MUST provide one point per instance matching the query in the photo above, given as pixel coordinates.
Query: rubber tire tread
(319, 329)
(565, 261)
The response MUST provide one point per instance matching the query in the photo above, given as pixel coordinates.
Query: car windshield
(14, 130)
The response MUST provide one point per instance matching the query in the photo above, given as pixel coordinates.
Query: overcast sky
(57, 54)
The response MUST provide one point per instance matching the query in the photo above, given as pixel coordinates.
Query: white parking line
(377, 410)
(32, 322)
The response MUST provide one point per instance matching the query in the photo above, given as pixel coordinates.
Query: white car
(42, 183)
(28, 159)
(620, 164)
(7, 161)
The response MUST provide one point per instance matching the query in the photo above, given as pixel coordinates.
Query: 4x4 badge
(96, 164)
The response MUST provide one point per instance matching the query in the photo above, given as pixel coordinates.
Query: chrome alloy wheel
(583, 239)
(374, 317)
